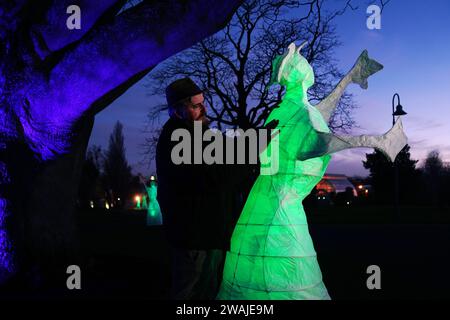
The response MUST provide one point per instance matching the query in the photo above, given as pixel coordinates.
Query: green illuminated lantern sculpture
(154, 216)
(272, 255)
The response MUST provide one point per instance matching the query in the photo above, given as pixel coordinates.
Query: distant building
(335, 183)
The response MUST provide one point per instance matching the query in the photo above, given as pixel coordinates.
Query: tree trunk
(53, 81)
(42, 227)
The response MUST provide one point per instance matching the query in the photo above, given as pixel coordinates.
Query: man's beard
(203, 118)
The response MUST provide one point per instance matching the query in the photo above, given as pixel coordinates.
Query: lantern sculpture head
(292, 69)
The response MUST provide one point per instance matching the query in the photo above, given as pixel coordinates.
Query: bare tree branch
(383, 4)
(235, 64)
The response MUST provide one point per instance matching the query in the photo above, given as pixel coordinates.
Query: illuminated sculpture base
(272, 255)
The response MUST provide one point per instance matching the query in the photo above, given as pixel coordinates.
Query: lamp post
(397, 112)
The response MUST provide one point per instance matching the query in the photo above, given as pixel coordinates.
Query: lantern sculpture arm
(361, 71)
(390, 143)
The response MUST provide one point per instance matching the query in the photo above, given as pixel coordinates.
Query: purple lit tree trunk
(52, 82)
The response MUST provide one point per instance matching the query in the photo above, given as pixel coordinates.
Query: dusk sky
(413, 44)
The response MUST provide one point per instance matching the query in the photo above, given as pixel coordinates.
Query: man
(199, 203)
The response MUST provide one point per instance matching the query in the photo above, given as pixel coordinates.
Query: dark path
(127, 259)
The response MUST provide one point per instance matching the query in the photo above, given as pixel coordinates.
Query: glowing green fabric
(272, 255)
(154, 216)
(138, 202)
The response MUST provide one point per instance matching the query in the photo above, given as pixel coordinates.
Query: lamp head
(399, 111)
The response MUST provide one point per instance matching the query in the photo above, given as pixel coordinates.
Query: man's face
(195, 110)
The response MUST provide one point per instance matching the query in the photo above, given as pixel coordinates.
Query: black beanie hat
(181, 89)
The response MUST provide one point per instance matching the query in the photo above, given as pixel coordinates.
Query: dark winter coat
(200, 203)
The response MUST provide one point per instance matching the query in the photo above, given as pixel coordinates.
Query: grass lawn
(126, 259)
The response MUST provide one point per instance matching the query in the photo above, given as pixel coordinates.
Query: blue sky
(413, 44)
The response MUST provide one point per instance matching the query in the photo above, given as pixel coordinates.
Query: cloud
(423, 124)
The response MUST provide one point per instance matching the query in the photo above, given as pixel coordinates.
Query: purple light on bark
(6, 254)
(6, 250)
(40, 107)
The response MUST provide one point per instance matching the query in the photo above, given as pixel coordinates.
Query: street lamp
(398, 109)
(398, 112)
